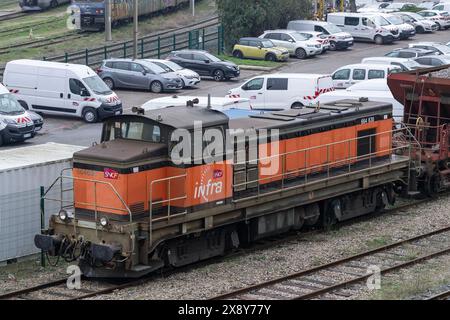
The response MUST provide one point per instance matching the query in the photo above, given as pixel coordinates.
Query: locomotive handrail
(169, 200)
(328, 165)
(96, 206)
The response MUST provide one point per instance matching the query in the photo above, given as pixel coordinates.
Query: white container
(22, 172)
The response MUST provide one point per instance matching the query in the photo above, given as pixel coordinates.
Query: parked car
(347, 76)
(403, 63)
(433, 60)
(205, 64)
(436, 47)
(260, 49)
(338, 38)
(441, 18)
(283, 91)
(371, 8)
(216, 103)
(401, 6)
(138, 74)
(365, 27)
(298, 45)
(188, 77)
(16, 123)
(421, 24)
(408, 53)
(442, 6)
(374, 90)
(61, 89)
(406, 30)
(427, 5)
(321, 38)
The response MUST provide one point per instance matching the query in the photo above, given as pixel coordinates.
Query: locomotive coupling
(50, 244)
(104, 253)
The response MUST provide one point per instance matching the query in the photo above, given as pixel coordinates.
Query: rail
(307, 168)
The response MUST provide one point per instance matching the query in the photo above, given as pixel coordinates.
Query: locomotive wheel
(329, 216)
(1, 140)
(381, 200)
(53, 4)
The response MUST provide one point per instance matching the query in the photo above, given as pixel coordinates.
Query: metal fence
(20, 216)
(209, 37)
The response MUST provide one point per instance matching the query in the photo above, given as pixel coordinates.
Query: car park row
(76, 90)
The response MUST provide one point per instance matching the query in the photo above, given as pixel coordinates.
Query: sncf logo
(110, 174)
(217, 174)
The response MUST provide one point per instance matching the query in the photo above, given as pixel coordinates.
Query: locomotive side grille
(252, 177)
(137, 208)
(240, 177)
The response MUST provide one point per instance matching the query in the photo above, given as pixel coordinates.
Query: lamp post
(108, 33)
(193, 7)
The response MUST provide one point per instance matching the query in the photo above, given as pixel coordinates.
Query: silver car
(138, 74)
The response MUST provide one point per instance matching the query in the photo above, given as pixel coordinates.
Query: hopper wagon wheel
(431, 185)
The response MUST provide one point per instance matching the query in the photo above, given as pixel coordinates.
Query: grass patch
(249, 62)
(377, 242)
(204, 9)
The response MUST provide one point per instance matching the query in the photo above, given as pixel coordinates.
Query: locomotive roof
(310, 117)
(182, 117)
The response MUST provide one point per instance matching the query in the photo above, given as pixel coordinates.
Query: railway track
(57, 289)
(17, 30)
(11, 16)
(39, 43)
(339, 279)
(440, 296)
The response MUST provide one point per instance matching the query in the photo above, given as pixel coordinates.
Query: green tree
(250, 18)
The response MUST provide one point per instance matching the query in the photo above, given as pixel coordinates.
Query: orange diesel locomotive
(134, 209)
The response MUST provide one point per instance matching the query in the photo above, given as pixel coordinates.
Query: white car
(217, 103)
(421, 24)
(319, 37)
(433, 61)
(404, 63)
(441, 18)
(437, 47)
(190, 78)
(375, 90)
(297, 45)
(283, 90)
(347, 76)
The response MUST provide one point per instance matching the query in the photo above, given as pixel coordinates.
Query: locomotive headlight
(63, 215)
(104, 221)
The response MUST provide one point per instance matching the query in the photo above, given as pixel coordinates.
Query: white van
(61, 89)
(443, 6)
(217, 103)
(348, 75)
(375, 90)
(365, 27)
(283, 90)
(16, 123)
(338, 38)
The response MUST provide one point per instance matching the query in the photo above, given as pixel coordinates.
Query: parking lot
(75, 131)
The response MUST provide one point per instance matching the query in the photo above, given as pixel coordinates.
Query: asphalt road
(75, 131)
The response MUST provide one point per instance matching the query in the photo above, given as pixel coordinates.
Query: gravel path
(308, 251)
(234, 272)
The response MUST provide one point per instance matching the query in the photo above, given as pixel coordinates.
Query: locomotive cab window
(133, 130)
